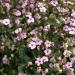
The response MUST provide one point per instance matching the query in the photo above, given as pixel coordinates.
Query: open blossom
(5, 60)
(72, 32)
(46, 70)
(30, 20)
(8, 6)
(21, 73)
(67, 53)
(33, 32)
(46, 28)
(69, 2)
(43, 9)
(38, 61)
(37, 40)
(24, 3)
(72, 22)
(39, 69)
(29, 15)
(66, 28)
(6, 22)
(40, 4)
(18, 30)
(17, 13)
(37, 16)
(17, 21)
(41, 60)
(68, 65)
(21, 36)
(47, 51)
(73, 14)
(73, 59)
(47, 43)
(32, 45)
(44, 59)
(60, 9)
(54, 2)
(66, 20)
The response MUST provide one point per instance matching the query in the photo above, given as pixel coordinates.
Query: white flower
(6, 21)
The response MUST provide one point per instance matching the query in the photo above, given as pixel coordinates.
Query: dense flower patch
(37, 37)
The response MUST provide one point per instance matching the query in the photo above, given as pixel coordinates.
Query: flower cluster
(37, 37)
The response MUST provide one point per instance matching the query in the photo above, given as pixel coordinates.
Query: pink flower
(23, 35)
(37, 16)
(47, 43)
(46, 28)
(72, 32)
(66, 20)
(24, 3)
(6, 21)
(29, 14)
(17, 13)
(43, 9)
(67, 53)
(37, 40)
(72, 22)
(54, 2)
(38, 61)
(46, 70)
(18, 30)
(47, 52)
(32, 45)
(33, 32)
(73, 59)
(40, 4)
(17, 21)
(66, 28)
(73, 14)
(29, 63)
(44, 59)
(69, 2)
(68, 65)
(39, 69)
(21, 73)
(5, 60)
(8, 6)
(30, 20)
